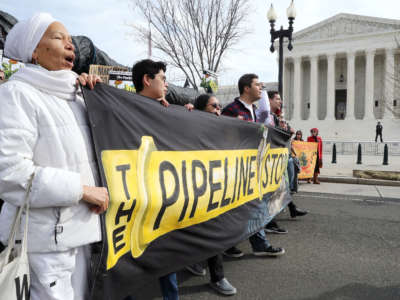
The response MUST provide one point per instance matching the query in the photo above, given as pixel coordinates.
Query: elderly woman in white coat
(44, 135)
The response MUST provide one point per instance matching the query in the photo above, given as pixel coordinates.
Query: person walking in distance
(379, 129)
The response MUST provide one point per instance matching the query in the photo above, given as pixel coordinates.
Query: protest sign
(121, 80)
(306, 152)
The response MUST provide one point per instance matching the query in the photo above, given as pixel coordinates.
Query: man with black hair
(149, 79)
(243, 108)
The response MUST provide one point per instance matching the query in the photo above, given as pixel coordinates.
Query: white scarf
(60, 83)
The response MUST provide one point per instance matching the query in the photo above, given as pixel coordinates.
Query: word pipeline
(155, 192)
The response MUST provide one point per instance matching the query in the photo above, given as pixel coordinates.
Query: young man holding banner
(275, 103)
(244, 109)
(150, 81)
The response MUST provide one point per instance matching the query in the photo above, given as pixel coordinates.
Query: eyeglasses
(215, 105)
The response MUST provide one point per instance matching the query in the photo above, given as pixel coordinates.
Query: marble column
(369, 85)
(314, 88)
(297, 89)
(389, 79)
(350, 86)
(331, 88)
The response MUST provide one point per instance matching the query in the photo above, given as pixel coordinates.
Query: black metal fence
(367, 148)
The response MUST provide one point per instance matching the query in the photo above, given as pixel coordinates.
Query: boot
(316, 181)
(309, 180)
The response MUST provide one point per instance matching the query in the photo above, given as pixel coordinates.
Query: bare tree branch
(193, 35)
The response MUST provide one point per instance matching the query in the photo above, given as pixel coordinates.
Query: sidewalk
(342, 171)
(337, 179)
(339, 190)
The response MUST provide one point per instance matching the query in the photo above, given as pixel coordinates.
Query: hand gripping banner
(183, 185)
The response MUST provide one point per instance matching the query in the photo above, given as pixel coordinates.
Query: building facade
(343, 75)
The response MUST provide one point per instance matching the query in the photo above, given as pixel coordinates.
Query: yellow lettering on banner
(273, 166)
(121, 175)
(155, 192)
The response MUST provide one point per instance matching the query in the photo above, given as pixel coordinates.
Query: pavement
(342, 171)
(355, 191)
(337, 179)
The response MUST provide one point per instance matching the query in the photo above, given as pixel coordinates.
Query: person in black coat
(379, 129)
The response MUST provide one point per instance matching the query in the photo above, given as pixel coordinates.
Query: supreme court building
(342, 76)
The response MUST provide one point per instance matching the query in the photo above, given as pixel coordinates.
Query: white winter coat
(44, 131)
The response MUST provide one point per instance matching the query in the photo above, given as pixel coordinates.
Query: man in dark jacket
(243, 108)
(379, 129)
(275, 103)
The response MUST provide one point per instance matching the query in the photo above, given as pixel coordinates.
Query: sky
(106, 22)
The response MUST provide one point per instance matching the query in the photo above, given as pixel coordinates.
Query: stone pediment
(346, 25)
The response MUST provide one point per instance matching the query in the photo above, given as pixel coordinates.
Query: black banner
(183, 185)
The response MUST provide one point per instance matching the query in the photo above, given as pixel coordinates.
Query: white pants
(60, 275)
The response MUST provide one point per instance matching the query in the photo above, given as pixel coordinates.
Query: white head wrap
(24, 37)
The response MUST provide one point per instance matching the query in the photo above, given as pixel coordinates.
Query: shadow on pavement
(152, 290)
(357, 291)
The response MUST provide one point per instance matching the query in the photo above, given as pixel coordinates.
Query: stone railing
(367, 148)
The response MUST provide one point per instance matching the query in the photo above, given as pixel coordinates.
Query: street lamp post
(281, 34)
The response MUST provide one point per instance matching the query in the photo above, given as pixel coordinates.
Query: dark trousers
(169, 287)
(292, 174)
(295, 183)
(380, 135)
(259, 241)
(292, 208)
(272, 224)
(215, 265)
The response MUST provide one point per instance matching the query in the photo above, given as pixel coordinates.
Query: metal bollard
(386, 155)
(359, 155)
(334, 154)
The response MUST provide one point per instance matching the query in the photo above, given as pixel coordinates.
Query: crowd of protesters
(149, 80)
(45, 143)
